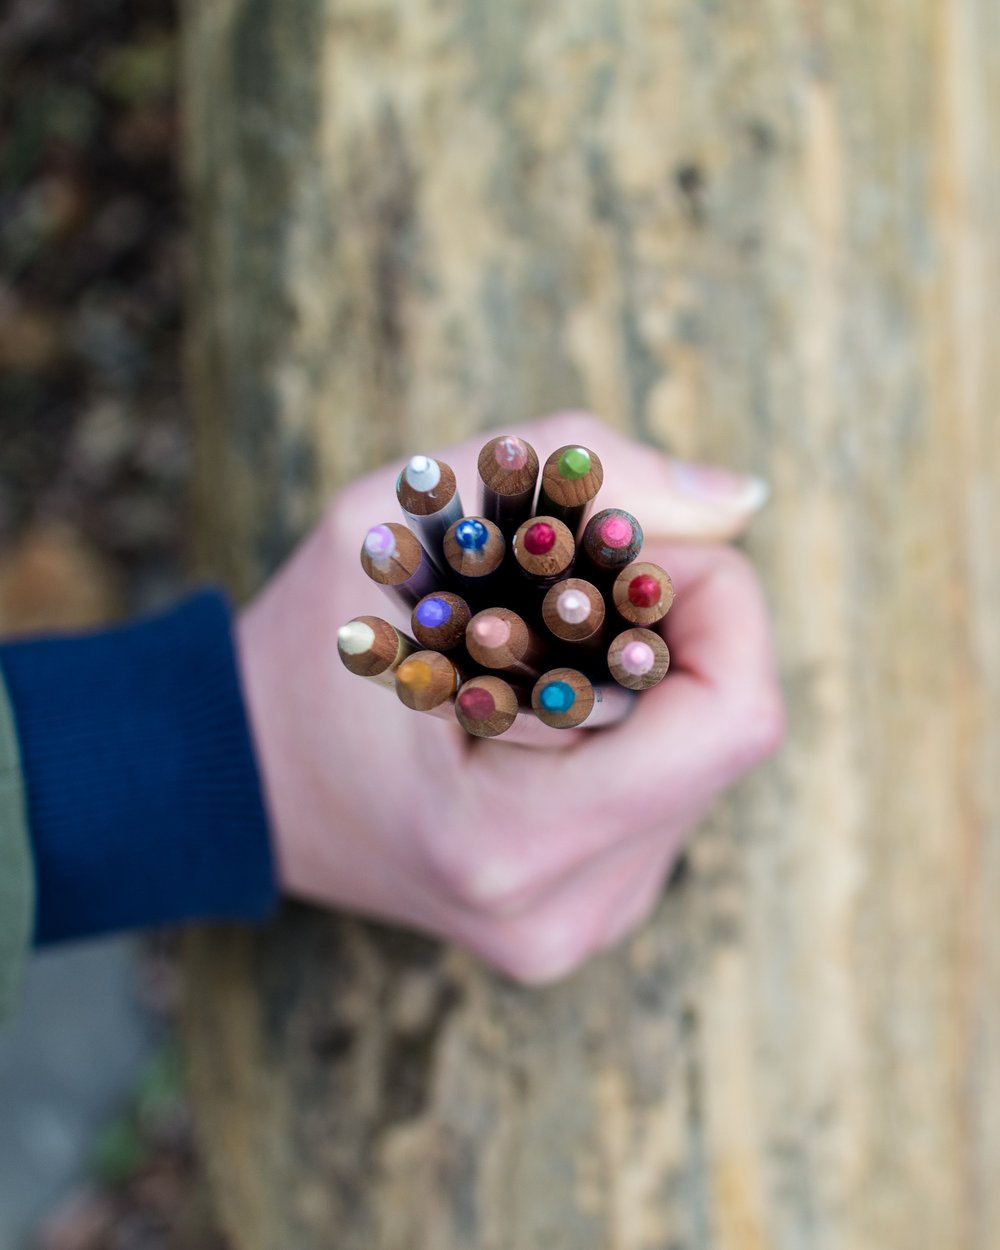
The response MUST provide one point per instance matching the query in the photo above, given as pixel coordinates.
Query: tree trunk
(757, 230)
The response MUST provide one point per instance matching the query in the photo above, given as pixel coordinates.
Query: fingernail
(720, 487)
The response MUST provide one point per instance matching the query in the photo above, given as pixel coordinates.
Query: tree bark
(757, 230)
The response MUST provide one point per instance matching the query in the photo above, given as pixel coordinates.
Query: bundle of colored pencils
(523, 611)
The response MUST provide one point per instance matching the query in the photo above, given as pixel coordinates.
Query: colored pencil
(508, 474)
(573, 611)
(500, 640)
(611, 540)
(489, 707)
(544, 550)
(642, 593)
(439, 620)
(638, 659)
(474, 550)
(428, 495)
(426, 680)
(565, 699)
(571, 478)
(394, 559)
(371, 647)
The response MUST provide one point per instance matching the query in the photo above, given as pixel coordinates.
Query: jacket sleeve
(17, 873)
(144, 803)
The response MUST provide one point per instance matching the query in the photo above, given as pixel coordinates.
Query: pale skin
(533, 858)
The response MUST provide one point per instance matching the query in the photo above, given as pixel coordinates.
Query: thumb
(673, 498)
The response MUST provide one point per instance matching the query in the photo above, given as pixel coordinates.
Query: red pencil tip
(539, 539)
(476, 704)
(644, 590)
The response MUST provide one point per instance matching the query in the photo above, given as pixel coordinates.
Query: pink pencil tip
(637, 659)
(380, 542)
(511, 453)
(615, 531)
(490, 631)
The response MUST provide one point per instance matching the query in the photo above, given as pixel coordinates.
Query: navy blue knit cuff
(144, 801)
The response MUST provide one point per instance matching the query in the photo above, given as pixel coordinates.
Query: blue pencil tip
(557, 696)
(471, 535)
(431, 613)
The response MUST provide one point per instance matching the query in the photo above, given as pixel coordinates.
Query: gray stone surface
(67, 1061)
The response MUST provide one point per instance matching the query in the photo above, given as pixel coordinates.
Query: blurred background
(95, 1146)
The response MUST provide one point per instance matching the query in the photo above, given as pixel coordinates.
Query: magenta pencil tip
(477, 704)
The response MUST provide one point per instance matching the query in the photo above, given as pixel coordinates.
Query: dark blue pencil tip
(471, 535)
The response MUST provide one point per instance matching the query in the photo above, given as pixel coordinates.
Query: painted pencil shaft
(439, 620)
(508, 476)
(565, 698)
(642, 593)
(573, 611)
(372, 648)
(571, 478)
(501, 640)
(638, 659)
(394, 559)
(428, 496)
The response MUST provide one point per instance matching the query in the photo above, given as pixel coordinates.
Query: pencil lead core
(423, 473)
(471, 535)
(557, 697)
(637, 658)
(355, 638)
(573, 607)
(380, 543)
(574, 463)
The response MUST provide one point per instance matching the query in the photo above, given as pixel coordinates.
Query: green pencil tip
(574, 463)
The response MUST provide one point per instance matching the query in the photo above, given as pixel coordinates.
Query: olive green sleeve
(17, 875)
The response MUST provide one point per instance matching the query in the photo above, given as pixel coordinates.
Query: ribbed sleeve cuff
(144, 802)
(17, 877)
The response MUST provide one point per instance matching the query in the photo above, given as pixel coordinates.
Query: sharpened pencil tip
(573, 607)
(477, 704)
(510, 453)
(415, 673)
(557, 697)
(423, 473)
(574, 463)
(490, 631)
(355, 638)
(637, 658)
(380, 543)
(471, 535)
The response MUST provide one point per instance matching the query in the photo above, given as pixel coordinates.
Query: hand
(533, 858)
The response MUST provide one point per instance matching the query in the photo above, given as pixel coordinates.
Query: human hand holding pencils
(532, 858)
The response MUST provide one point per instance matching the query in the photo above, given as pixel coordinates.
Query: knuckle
(541, 950)
(489, 884)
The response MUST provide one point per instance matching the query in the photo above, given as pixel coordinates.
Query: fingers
(519, 821)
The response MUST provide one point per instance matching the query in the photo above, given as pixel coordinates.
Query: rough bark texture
(759, 230)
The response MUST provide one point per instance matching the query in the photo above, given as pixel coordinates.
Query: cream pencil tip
(355, 638)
